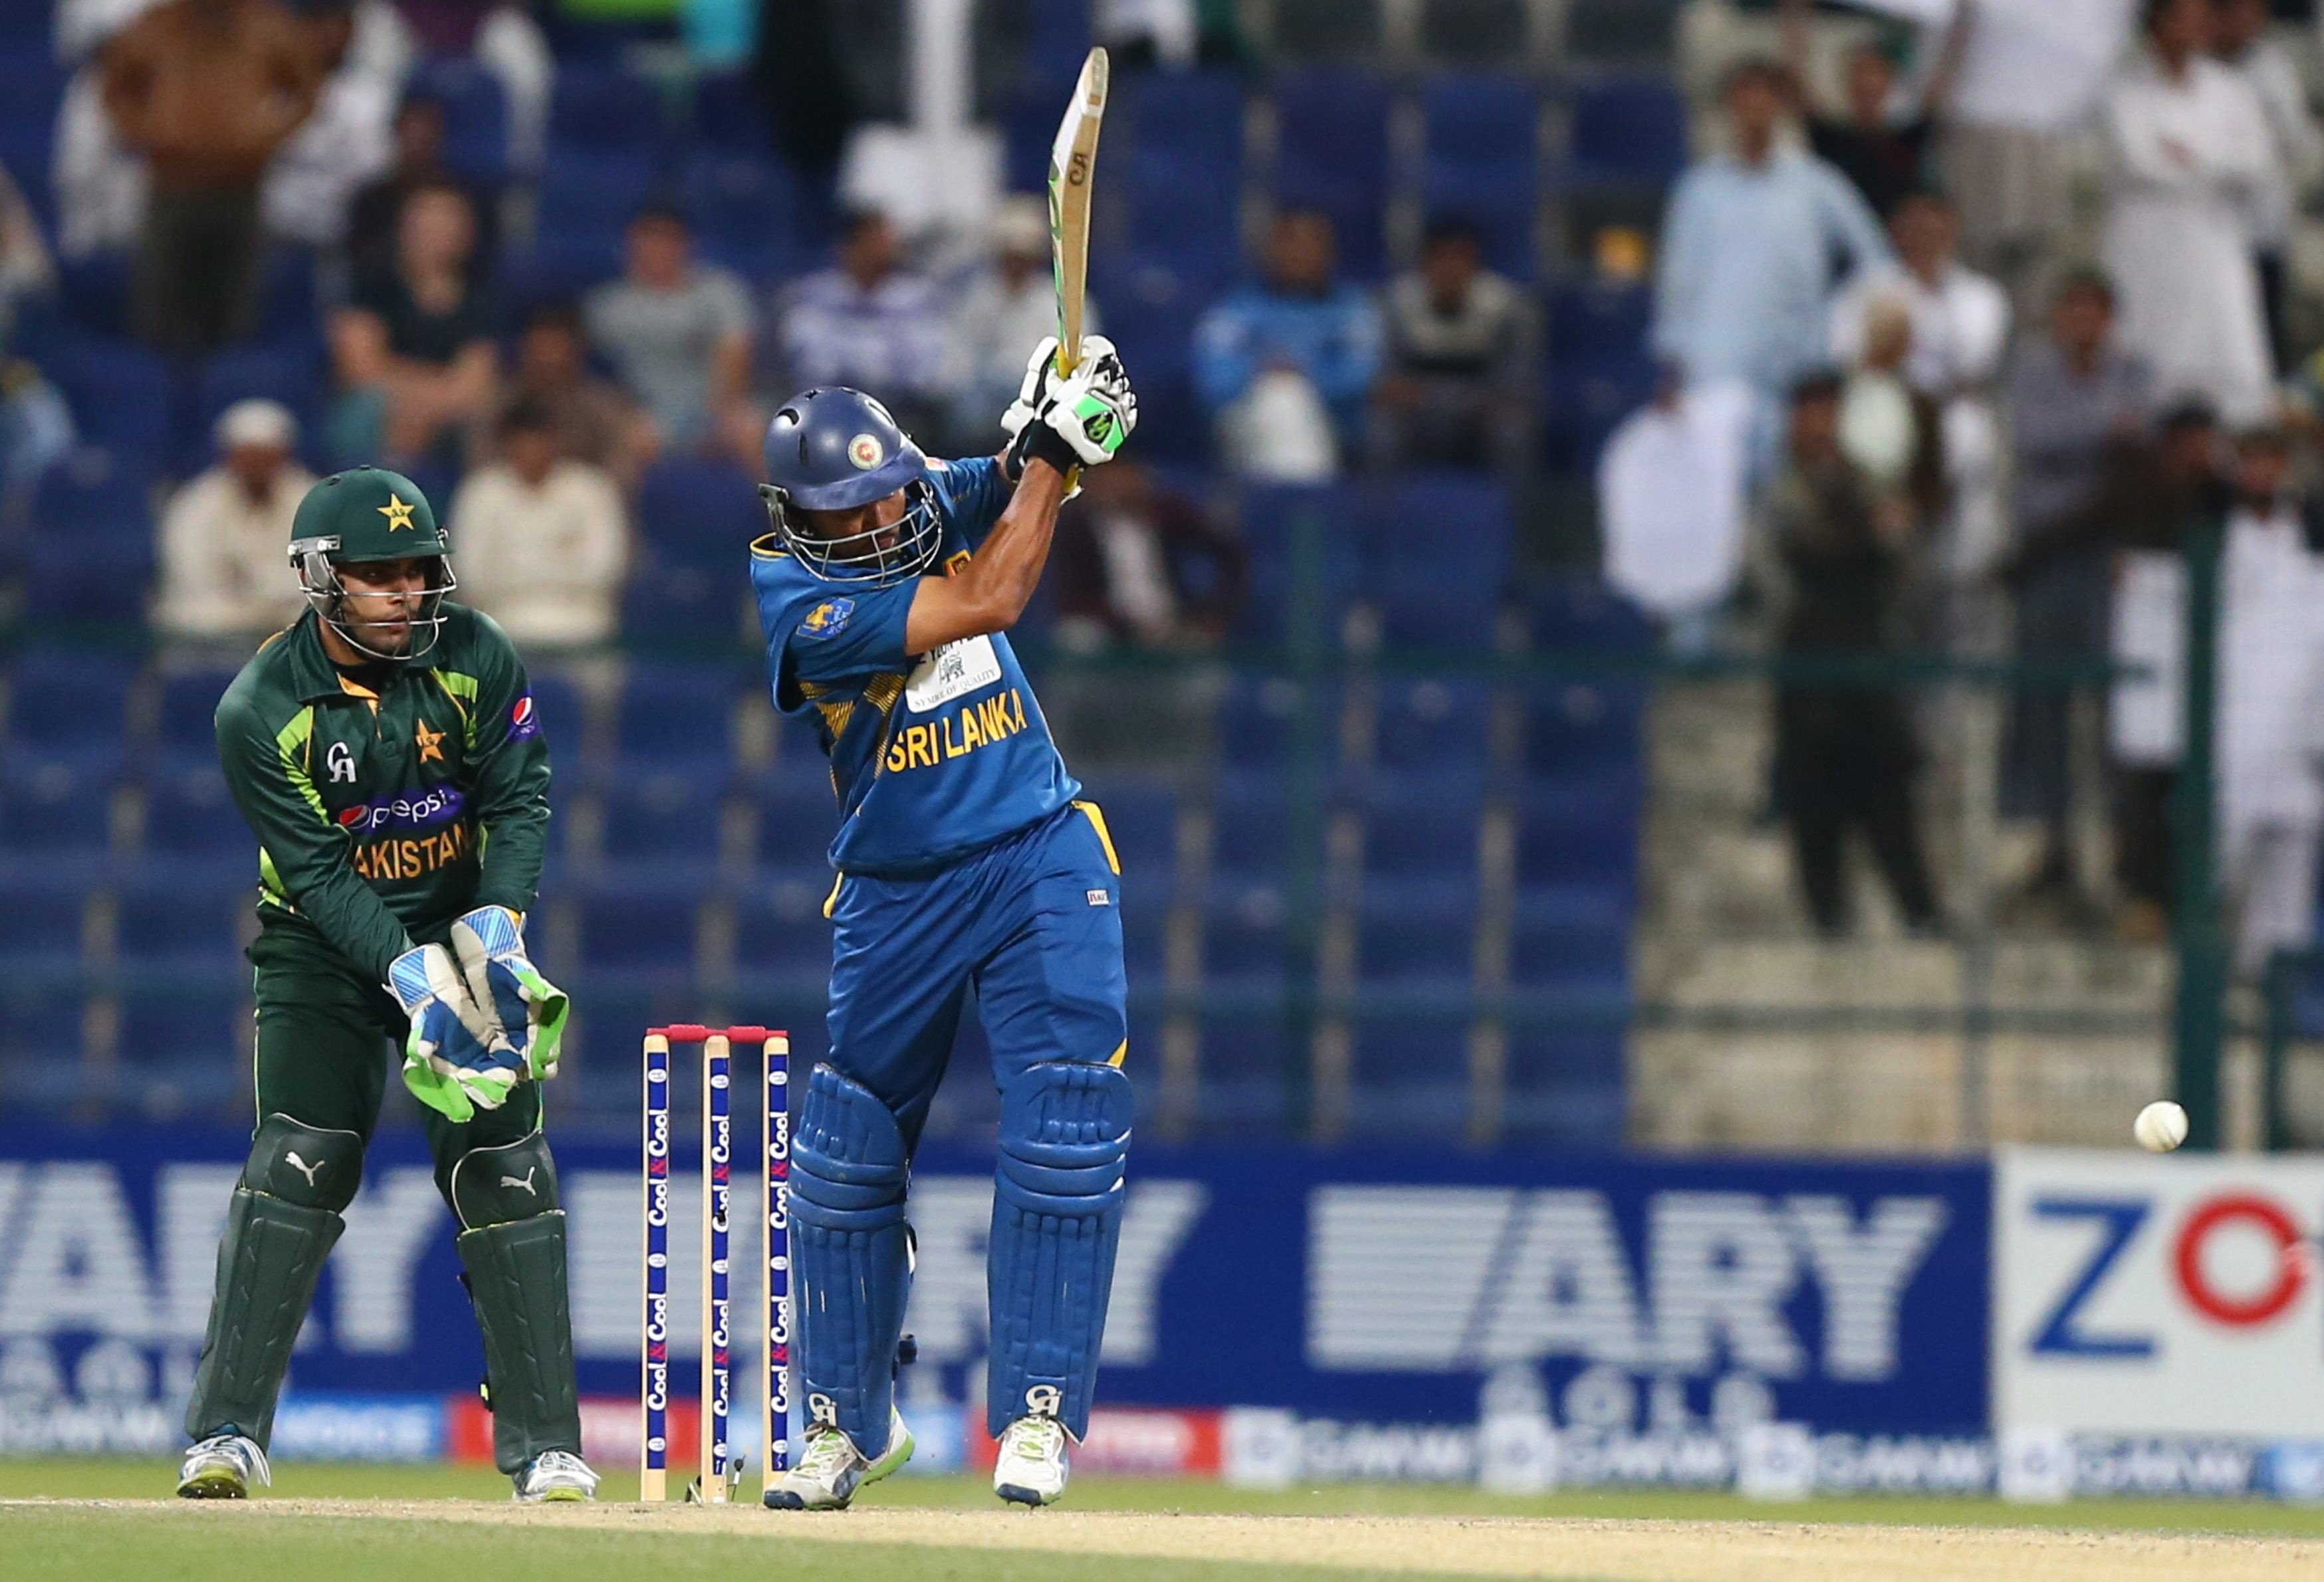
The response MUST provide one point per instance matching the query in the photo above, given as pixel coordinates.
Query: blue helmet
(838, 449)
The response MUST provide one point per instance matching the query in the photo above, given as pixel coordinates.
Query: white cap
(256, 422)
(1020, 225)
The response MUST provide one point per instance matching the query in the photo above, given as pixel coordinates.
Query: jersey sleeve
(309, 858)
(976, 491)
(508, 771)
(821, 634)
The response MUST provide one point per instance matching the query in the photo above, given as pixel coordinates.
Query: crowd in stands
(1894, 344)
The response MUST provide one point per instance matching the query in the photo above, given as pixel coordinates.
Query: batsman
(385, 752)
(965, 862)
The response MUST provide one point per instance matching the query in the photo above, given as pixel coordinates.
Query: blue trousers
(1032, 924)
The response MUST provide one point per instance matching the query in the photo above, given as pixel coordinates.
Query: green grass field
(409, 1524)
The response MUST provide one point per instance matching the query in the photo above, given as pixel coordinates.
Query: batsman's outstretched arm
(991, 592)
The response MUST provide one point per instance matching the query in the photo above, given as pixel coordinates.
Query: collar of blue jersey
(311, 673)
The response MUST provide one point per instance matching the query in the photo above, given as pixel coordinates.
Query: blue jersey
(933, 756)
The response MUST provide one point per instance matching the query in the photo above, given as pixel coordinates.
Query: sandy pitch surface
(1617, 1552)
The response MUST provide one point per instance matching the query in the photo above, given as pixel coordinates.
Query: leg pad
(268, 1262)
(1057, 1215)
(516, 1275)
(851, 1249)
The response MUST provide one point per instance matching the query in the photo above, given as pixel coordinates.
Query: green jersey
(382, 816)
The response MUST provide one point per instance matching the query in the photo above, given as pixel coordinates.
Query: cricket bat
(1072, 173)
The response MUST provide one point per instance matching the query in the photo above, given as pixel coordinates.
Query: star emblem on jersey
(430, 743)
(864, 450)
(398, 514)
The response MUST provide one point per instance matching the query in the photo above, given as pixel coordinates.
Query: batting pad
(1056, 1215)
(850, 1251)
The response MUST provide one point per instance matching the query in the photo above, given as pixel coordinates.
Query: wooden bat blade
(1073, 176)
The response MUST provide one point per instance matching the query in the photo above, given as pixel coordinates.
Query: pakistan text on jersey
(958, 734)
(415, 858)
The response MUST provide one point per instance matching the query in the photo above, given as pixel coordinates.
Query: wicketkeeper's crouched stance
(964, 860)
(384, 752)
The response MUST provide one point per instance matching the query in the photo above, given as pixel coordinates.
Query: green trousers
(328, 1039)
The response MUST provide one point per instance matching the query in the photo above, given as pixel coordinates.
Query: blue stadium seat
(289, 370)
(1572, 938)
(1245, 939)
(1421, 724)
(1409, 1078)
(1188, 213)
(665, 824)
(476, 116)
(749, 214)
(119, 393)
(40, 1070)
(1482, 164)
(637, 934)
(1192, 115)
(783, 933)
(677, 719)
(77, 502)
(56, 813)
(1588, 729)
(167, 923)
(1629, 130)
(69, 706)
(185, 732)
(1587, 402)
(1241, 1086)
(40, 923)
(1580, 833)
(92, 295)
(95, 580)
(798, 817)
(1420, 827)
(1145, 944)
(189, 814)
(706, 512)
(1252, 830)
(1303, 541)
(1578, 614)
(562, 711)
(1564, 1087)
(594, 191)
(670, 597)
(604, 106)
(1260, 717)
(1333, 156)
(180, 1048)
(1142, 817)
(729, 115)
(1419, 948)
(562, 263)
(1592, 320)
(1151, 302)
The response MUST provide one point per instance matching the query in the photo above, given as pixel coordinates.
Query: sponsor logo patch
(866, 452)
(424, 812)
(828, 619)
(524, 724)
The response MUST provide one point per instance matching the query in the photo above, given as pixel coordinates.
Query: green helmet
(368, 513)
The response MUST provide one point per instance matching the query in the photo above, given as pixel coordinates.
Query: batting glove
(1086, 416)
(490, 944)
(456, 1058)
(1041, 374)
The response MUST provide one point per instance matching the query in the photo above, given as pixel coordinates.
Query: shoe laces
(1040, 1438)
(564, 1464)
(244, 1452)
(828, 1452)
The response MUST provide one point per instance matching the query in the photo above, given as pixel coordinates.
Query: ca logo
(341, 763)
(1043, 1400)
(821, 1409)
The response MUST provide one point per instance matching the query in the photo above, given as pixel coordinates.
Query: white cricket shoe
(556, 1477)
(1032, 1465)
(832, 1470)
(223, 1468)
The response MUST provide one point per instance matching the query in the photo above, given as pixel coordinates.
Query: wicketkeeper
(385, 752)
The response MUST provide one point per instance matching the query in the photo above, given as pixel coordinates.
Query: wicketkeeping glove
(456, 1058)
(1084, 416)
(532, 1010)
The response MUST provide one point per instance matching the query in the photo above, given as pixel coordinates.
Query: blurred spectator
(1881, 143)
(1285, 364)
(2149, 495)
(1137, 562)
(2072, 396)
(100, 184)
(505, 40)
(2030, 75)
(542, 539)
(1670, 501)
(1003, 313)
(26, 270)
(1463, 357)
(2271, 715)
(1845, 756)
(413, 350)
(677, 332)
(2239, 34)
(364, 49)
(36, 426)
(376, 212)
(1961, 323)
(225, 534)
(2190, 141)
(594, 422)
(207, 90)
(1749, 248)
(871, 323)
(1892, 433)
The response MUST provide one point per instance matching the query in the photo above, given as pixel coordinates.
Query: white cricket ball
(2161, 1126)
